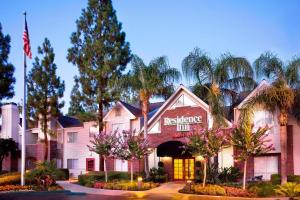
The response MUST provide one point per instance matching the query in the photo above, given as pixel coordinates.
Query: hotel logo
(182, 123)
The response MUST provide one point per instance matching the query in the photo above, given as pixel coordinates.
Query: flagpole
(23, 122)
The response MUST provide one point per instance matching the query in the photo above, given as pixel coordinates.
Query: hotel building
(170, 124)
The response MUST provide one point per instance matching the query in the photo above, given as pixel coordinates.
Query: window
(72, 137)
(121, 165)
(118, 127)
(90, 164)
(265, 166)
(263, 118)
(72, 163)
(117, 111)
(93, 131)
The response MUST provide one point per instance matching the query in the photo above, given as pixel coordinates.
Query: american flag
(26, 40)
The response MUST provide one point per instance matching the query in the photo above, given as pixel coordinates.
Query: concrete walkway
(170, 188)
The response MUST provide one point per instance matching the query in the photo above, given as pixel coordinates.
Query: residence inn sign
(182, 123)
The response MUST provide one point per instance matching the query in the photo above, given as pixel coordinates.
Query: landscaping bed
(126, 185)
(260, 189)
(116, 181)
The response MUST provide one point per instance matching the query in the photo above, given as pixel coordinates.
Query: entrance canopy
(172, 149)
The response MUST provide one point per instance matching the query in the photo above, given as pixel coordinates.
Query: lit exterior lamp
(189, 185)
(140, 181)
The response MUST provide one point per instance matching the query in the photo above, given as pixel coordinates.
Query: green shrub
(262, 189)
(63, 174)
(44, 175)
(10, 178)
(90, 178)
(198, 164)
(293, 178)
(289, 189)
(210, 190)
(160, 164)
(157, 175)
(229, 174)
(275, 179)
(118, 176)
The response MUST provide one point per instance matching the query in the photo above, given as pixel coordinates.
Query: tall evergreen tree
(77, 107)
(101, 54)
(76, 99)
(44, 90)
(7, 79)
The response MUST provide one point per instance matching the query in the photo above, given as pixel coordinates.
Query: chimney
(10, 121)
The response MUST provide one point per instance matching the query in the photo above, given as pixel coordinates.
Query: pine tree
(7, 79)
(101, 54)
(44, 90)
(76, 99)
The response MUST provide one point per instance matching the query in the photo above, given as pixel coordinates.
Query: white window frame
(73, 162)
(72, 137)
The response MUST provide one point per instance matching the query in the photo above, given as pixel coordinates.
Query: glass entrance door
(178, 169)
(189, 167)
(183, 168)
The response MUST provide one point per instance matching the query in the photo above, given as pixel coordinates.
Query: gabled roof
(67, 121)
(263, 84)
(134, 110)
(170, 99)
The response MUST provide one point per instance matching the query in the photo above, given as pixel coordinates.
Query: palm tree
(227, 76)
(155, 79)
(279, 95)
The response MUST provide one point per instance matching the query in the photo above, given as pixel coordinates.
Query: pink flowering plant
(106, 145)
(207, 143)
(250, 143)
(132, 147)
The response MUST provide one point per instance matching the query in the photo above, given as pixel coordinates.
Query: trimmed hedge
(64, 174)
(276, 179)
(92, 177)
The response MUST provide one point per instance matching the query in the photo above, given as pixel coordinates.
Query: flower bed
(10, 178)
(125, 185)
(216, 190)
(15, 188)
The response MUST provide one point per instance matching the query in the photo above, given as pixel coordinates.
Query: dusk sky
(154, 28)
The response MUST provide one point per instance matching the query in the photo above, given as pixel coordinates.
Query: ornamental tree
(7, 146)
(249, 143)
(106, 145)
(207, 143)
(132, 147)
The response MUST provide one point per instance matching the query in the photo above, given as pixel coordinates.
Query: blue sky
(154, 28)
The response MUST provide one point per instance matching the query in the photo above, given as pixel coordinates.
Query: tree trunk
(100, 114)
(45, 127)
(100, 128)
(131, 171)
(145, 110)
(105, 170)
(204, 173)
(283, 157)
(1, 162)
(245, 173)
